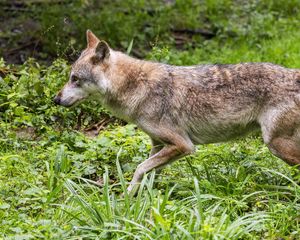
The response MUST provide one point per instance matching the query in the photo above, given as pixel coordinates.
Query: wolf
(182, 106)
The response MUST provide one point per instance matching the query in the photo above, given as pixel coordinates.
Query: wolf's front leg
(166, 155)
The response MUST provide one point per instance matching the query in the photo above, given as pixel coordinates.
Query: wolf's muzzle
(57, 100)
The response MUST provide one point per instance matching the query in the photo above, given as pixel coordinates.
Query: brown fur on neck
(132, 79)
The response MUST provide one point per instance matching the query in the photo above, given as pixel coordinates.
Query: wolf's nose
(56, 100)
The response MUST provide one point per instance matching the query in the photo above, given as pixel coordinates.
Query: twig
(96, 128)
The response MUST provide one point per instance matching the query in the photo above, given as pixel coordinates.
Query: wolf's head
(87, 77)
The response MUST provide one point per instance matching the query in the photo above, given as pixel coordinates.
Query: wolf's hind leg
(281, 131)
(286, 148)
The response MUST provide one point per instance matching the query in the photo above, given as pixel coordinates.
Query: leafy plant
(58, 183)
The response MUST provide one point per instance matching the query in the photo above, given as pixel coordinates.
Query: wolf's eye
(75, 79)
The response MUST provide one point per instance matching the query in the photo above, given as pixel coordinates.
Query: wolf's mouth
(69, 102)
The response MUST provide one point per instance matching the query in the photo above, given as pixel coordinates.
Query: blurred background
(48, 29)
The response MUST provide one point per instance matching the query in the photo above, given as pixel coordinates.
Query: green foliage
(153, 23)
(58, 183)
(26, 98)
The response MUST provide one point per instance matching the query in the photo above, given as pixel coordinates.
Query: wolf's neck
(131, 80)
(128, 73)
(130, 67)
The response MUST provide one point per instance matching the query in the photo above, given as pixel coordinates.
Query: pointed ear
(102, 52)
(91, 39)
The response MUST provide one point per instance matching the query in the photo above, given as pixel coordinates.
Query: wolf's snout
(57, 100)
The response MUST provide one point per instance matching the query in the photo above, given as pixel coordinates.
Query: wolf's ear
(91, 39)
(101, 53)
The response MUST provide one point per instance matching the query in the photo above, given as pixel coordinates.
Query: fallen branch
(25, 45)
(202, 32)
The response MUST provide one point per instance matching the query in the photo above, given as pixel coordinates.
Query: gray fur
(179, 107)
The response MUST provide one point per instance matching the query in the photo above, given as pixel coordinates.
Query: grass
(57, 183)
(236, 190)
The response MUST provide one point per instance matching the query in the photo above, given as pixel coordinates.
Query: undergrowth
(58, 183)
